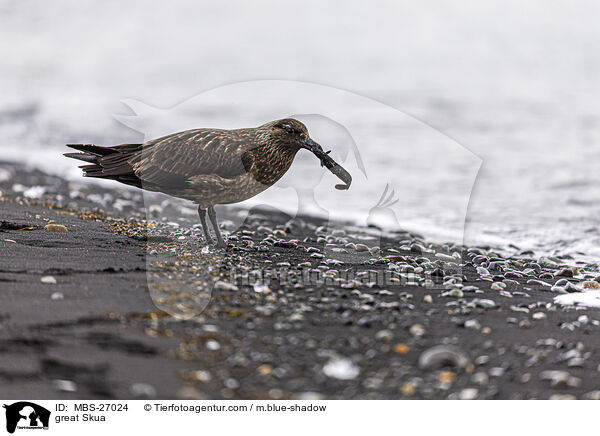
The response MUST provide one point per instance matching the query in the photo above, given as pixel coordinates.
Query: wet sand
(79, 319)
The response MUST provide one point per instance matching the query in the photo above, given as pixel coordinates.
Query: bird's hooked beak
(328, 162)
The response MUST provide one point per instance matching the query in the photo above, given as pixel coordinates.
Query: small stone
(497, 287)
(361, 248)
(472, 324)
(539, 315)
(524, 324)
(408, 389)
(57, 296)
(566, 272)
(341, 369)
(55, 228)
(428, 299)
(482, 360)
(482, 271)
(592, 284)
(571, 287)
(142, 391)
(484, 303)
(417, 330)
(447, 376)
(468, 394)
(592, 395)
(384, 336)
(48, 280)
(496, 371)
(231, 383)
(486, 330)
(562, 397)
(560, 379)
(480, 378)
(401, 348)
(224, 286)
(200, 375)
(265, 369)
(309, 396)
(65, 385)
(261, 288)
(576, 362)
(456, 293)
(213, 345)
(583, 319)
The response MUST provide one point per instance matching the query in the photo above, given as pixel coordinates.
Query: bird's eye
(287, 128)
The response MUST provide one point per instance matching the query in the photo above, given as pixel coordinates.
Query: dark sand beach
(79, 316)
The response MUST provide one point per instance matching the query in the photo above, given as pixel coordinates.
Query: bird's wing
(170, 161)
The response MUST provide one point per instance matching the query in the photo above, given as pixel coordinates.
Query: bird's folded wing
(172, 160)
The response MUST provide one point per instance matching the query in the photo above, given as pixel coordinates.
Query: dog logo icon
(26, 415)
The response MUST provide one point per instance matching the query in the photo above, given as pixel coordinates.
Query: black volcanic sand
(118, 307)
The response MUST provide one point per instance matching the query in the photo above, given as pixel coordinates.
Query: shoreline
(331, 329)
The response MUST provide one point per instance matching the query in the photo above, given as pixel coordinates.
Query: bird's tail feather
(108, 162)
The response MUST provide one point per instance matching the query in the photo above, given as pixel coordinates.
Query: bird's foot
(221, 244)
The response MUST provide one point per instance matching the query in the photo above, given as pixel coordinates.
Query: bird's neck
(271, 161)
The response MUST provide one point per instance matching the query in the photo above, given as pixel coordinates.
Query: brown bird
(208, 166)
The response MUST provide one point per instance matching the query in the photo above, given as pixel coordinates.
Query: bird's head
(293, 135)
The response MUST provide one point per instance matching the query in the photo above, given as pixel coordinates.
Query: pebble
(592, 284)
(200, 375)
(57, 296)
(341, 369)
(401, 348)
(417, 330)
(447, 377)
(560, 379)
(361, 248)
(576, 362)
(456, 293)
(309, 396)
(55, 228)
(142, 391)
(384, 336)
(48, 280)
(468, 394)
(408, 389)
(482, 360)
(472, 324)
(562, 397)
(213, 345)
(480, 378)
(224, 286)
(265, 369)
(65, 385)
(496, 371)
(484, 303)
(539, 315)
(428, 299)
(592, 395)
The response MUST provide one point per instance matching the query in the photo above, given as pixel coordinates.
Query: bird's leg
(202, 214)
(213, 219)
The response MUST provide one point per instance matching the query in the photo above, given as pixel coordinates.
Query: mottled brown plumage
(207, 166)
